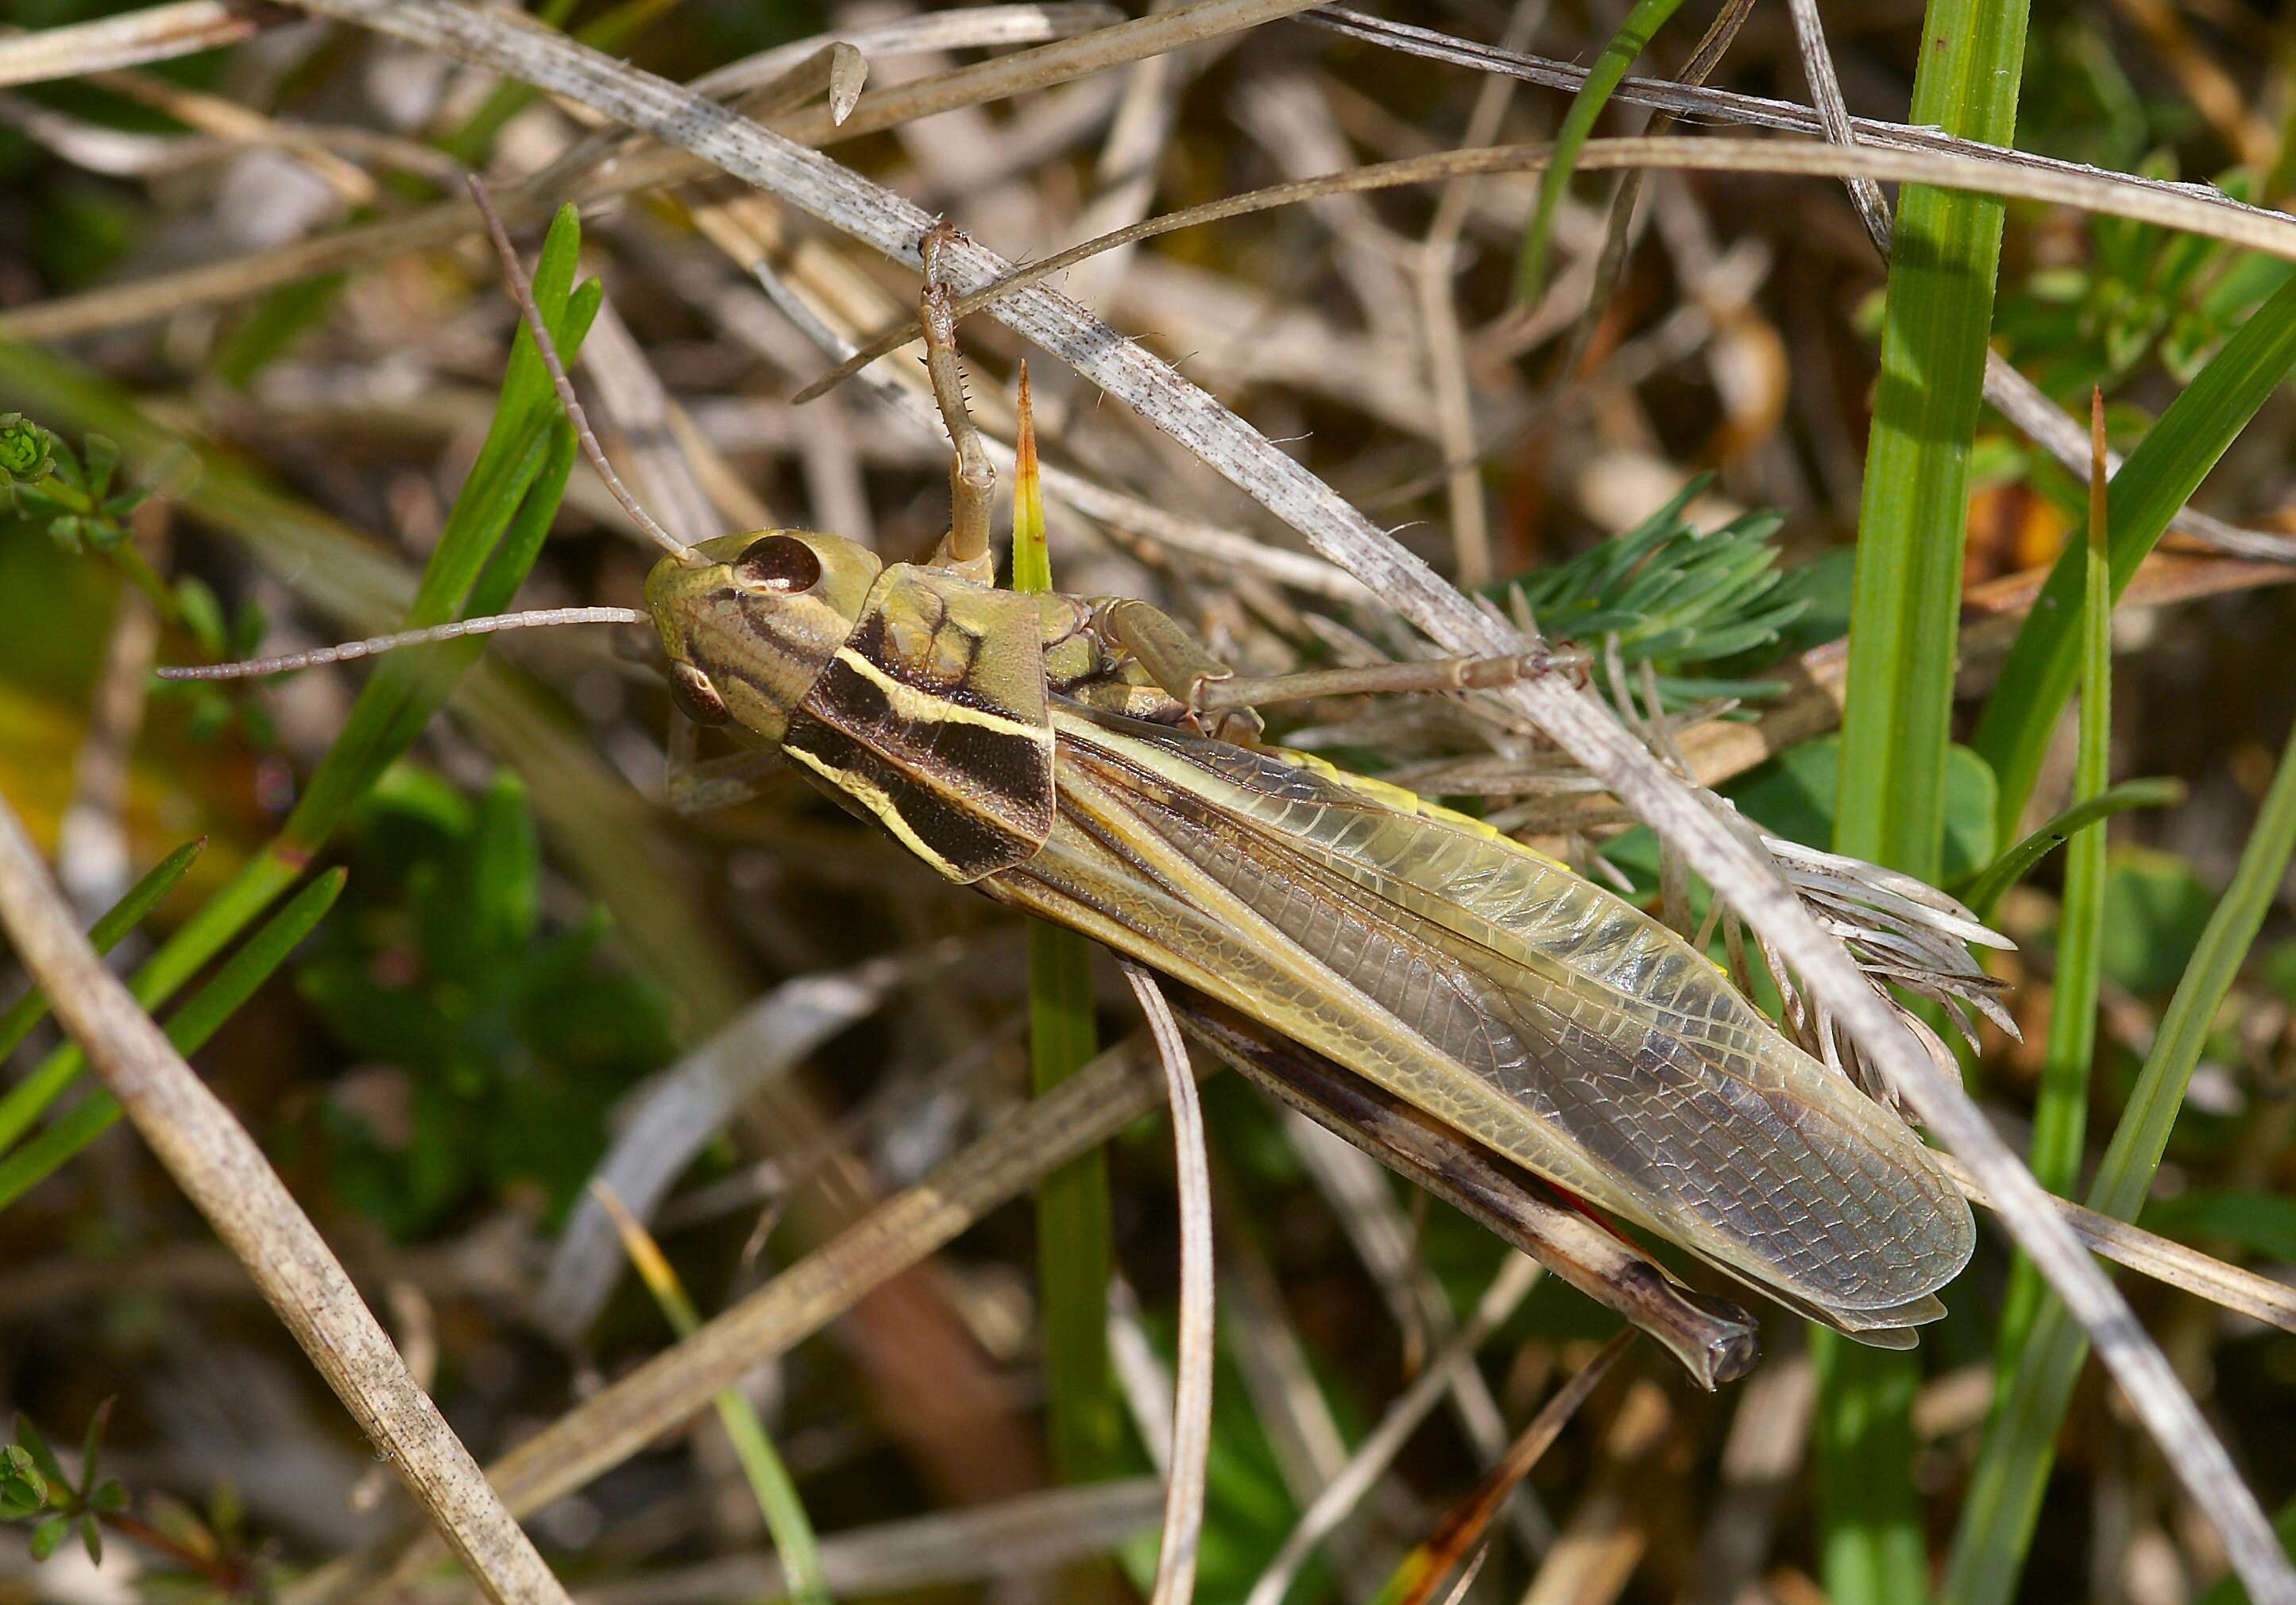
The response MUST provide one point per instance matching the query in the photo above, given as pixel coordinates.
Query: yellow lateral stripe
(912, 703)
(876, 799)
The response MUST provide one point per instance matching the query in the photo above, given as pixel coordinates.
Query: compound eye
(781, 564)
(695, 697)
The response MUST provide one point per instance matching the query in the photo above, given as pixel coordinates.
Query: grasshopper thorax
(751, 628)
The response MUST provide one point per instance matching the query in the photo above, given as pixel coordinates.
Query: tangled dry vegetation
(479, 1025)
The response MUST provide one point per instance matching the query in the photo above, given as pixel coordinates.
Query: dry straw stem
(514, 40)
(155, 33)
(1517, 1275)
(1022, 1537)
(223, 1173)
(608, 1428)
(2229, 1287)
(1192, 1391)
(2114, 194)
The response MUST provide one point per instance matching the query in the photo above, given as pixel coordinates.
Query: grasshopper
(1088, 761)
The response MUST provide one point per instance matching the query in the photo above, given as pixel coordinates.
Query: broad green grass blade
(2020, 1445)
(103, 935)
(189, 1028)
(1632, 36)
(1898, 706)
(1985, 888)
(2158, 478)
(490, 539)
(1073, 1216)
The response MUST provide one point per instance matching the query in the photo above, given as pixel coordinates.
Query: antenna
(350, 652)
(515, 275)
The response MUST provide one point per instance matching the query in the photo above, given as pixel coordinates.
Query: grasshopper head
(750, 630)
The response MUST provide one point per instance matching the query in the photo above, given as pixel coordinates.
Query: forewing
(1523, 1005)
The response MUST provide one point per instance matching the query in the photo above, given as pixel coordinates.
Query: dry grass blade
(157, 33)
(1461, 1529)
(223, 1172)
(238, 277)
(2229, 1287)
(1384, 1442)
(1192, 1391)
(1706, 105)
(1015, 1539)
(1833, 114)
(2111, 193)
(611, 1425)
(689, 1103)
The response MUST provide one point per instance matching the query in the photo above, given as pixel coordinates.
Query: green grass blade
(103, 935)
(2158, 478)
(1074, 1224)
(1906, 597)
(189, 1028)
(770, 1483)
(2061, 1110)
(491, 537)
(1985, 888)
(2020, 1444)
(1898, 705)
(1633, 35)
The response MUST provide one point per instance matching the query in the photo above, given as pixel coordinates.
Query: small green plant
(27, 452)
(2143, 294)
(47, 479)
(44, 480)
(1677, 598)
(206, 1555)
(35, 1487)
(505, 1043)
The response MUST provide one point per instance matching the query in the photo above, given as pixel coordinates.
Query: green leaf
(2158, 478)
(22, 1489)
(202, 614)
(1898, 705)
(188, 1029)
(504, 506)
(92, 1445)
(28, 1440)
(48, 1535)
(1983, 891)
(2020, 1442)
(506, 881)
(2156, 909)
(1633, 34)
(277, 320)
